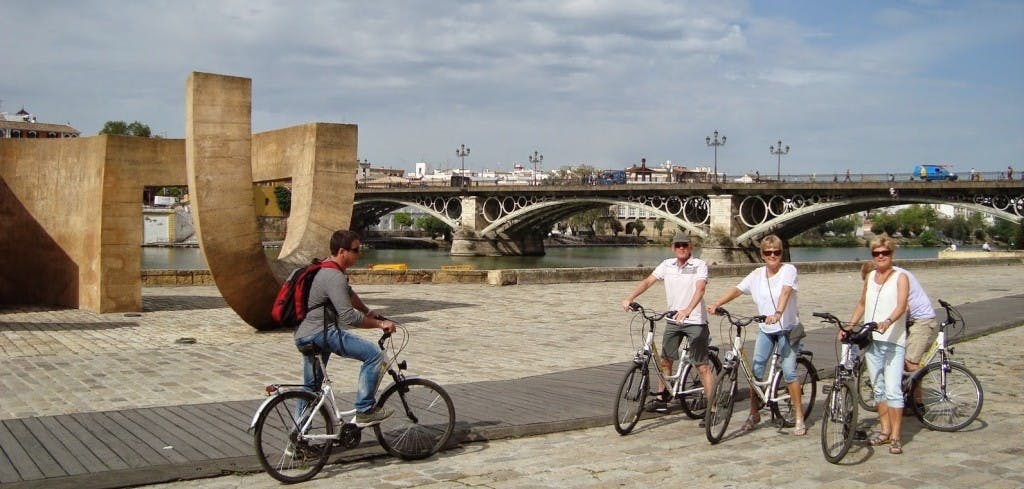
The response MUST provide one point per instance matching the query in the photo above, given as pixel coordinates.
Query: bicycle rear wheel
(282, 453)
(629, 401)
(716, 421)
(784, 408)
(838, 422)
(691, 395)
(951, 407)
(865, 390)
(423, 421)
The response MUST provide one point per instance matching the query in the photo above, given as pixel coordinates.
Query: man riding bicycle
(342, 306)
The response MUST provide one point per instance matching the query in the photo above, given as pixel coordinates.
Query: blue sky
(872, 86)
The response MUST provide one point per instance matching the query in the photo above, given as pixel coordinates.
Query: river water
(610, 256)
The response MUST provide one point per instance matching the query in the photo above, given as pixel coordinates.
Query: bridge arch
(799, 219)
(543, 214)
(446, 209)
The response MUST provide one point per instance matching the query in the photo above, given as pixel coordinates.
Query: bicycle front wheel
(423, 421)
(948, 406)
(629, 401)
(839, 422)
(691, 393)
(283, 453)
(784, 408)
(716, 421)
(865, 389)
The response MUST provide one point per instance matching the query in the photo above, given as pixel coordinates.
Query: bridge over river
(730, 218)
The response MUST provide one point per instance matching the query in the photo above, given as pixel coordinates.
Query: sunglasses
(881, 253)
(771, 252)
(680, 245)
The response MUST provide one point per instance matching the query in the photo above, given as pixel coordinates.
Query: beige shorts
(920, 338)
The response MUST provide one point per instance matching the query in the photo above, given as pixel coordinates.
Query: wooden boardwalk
(159, 444)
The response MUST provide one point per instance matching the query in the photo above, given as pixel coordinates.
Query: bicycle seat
(309, 349)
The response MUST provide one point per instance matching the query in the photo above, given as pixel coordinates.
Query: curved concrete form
(219, 146)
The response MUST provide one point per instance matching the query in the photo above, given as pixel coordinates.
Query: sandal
(750, 423)
(896, 448)
(801, 429)
(880, 439)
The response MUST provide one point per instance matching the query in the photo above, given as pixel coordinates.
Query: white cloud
(601, 81)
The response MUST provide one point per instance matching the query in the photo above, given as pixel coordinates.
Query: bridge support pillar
(721, 246)
(467, 240)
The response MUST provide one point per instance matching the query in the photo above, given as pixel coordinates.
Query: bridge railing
(747, 178)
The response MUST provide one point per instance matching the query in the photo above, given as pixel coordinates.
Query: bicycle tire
(695, 405)
(281, 455)
(953, 409)
(839, 422)
(723, 393)
(865, 391)
(629, 400)
(423, 419)
(807, 375)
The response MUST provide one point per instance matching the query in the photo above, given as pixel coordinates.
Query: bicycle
(685, 384)
(294, 429)
(944, 395)
(839, 422)
(771, 392)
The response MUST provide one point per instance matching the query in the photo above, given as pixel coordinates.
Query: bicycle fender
(259, 411)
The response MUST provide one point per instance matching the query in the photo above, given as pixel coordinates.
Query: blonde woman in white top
(884, 301)
(773, 288)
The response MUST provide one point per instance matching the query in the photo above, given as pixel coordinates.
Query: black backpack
(290, 305)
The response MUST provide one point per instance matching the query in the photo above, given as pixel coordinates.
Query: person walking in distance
(685, 279)
(343, 309)
(773, 287)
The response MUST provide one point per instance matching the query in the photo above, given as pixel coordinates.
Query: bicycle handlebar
(634, 306)
(861, 329)
(742, 321)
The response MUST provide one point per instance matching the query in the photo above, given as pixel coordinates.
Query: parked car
(933, 172)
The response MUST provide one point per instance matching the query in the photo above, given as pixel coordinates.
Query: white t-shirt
(766, 291)
(919, 306)
(879, 301)
(680, 285)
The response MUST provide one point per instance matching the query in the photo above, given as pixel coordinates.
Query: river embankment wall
(570, 275)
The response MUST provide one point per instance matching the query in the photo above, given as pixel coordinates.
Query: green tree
(120, 128)
(957, 228)
(1002, 231)
(434, 226)
(615, 226)
(587, 220)
(403, 220)
(284, 198)
(659, 225)
(639, 227)
(927, 238)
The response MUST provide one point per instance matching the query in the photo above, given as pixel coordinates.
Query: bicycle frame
(648, 352)
(325, 393)
(761, 387)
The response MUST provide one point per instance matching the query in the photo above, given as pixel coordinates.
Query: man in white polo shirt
(685, 279)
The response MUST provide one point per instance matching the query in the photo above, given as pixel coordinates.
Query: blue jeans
(885, 366)
(348, 345)
(763, 349)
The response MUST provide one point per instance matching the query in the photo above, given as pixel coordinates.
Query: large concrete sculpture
(71, 215)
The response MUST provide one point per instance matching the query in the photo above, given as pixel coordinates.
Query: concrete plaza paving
(65, 361)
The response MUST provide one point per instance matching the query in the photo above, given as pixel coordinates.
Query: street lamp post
(715, 143)
(462, 152)
(778, 152)
(364, 165)
(535, 158)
